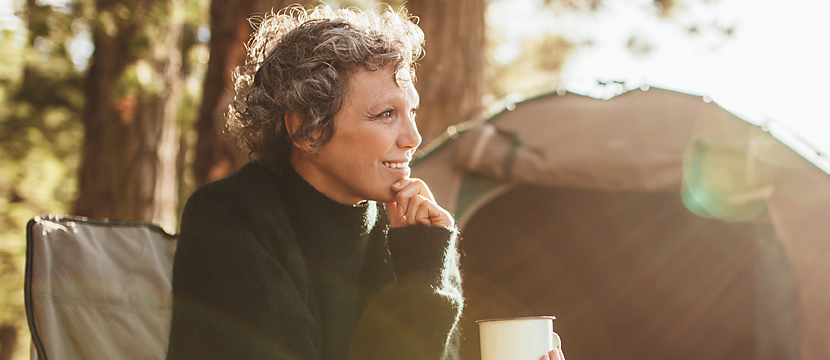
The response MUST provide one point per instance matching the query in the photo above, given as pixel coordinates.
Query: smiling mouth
(394, 165)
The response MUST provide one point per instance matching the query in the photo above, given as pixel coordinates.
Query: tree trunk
(8, 341)
(451, 75)
(169, 65)
(217, 154)
(128, 168)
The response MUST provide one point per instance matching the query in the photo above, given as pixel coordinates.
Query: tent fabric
(630, 275)
(711, 162)
(593, 144)
(98, 289)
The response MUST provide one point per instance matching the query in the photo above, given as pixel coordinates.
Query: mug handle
(557, 342)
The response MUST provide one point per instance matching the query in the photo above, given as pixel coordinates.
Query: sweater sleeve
(232, 298)
(416, 316)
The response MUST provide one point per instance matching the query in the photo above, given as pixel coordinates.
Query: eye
(386, 115)
(413, 113)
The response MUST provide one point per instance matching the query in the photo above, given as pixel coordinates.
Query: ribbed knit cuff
(419, 248)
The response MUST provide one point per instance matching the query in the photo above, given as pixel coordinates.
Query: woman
(322, 247)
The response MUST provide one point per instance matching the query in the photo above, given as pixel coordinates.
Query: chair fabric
(98, 289)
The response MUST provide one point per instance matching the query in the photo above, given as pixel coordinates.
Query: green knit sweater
(269, 268)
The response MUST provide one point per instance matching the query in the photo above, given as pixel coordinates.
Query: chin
(384, 198)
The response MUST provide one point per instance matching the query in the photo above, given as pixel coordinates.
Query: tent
(654, 225)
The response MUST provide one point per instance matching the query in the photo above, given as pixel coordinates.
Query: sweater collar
(317, 212)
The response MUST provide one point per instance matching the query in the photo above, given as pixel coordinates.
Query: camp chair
(98, 289)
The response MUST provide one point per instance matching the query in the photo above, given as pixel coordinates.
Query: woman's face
(374, 138)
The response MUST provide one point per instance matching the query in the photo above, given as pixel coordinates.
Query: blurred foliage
(663, 7)
(666, 7)
(42, 70)
(572, 5)
(40, 135)
(535, 71)
(537, 67)
(361, 4)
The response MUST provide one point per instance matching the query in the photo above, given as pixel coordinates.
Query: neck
(303, 164)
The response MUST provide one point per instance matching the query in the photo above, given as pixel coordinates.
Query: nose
(409, 138)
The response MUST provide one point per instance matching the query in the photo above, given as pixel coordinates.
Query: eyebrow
(390, 99)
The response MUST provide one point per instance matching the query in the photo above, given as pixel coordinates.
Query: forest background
(115, 108)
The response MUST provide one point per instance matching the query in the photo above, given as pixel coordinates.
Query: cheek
(375, 145)
(368, 145)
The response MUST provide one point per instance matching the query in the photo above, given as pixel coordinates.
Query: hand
(555, 354)
(414, 204)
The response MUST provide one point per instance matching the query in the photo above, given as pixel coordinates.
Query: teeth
(395, 165)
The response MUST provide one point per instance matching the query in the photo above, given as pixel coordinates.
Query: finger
(395, 220)
(423, 189)
(425, 213)
(431, 214)
(400, 202)
(559, 354)
(412, 210)
(547, 356)
(401, 183)
(439, 217)
(409, 189)
(391, 209)
(410, 202)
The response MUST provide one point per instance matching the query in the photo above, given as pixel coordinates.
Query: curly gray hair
(300, 61)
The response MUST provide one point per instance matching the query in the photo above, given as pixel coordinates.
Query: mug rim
(550, 317)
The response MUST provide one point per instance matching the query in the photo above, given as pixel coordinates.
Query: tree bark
(131, 142)
(8, 341)
(451, 75)
(169, 63)
(217, 154)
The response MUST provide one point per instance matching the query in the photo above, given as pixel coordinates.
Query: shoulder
(251, 185)
(243, 208)
(235, 229)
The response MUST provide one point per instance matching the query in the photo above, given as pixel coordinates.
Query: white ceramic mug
(522, 338)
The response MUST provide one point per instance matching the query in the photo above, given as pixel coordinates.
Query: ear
(293, 121)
